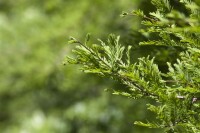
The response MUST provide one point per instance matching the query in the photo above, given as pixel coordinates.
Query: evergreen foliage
(176, 92)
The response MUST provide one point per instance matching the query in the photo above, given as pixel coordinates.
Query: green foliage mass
(37, 93)
(175, 92)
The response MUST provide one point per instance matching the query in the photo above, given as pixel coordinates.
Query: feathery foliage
(177, 92)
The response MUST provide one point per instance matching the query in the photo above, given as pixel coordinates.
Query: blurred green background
(40, 95)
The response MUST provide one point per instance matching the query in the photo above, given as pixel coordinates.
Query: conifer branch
(177, 96)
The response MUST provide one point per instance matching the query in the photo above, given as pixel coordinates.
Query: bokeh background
(38, 94)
